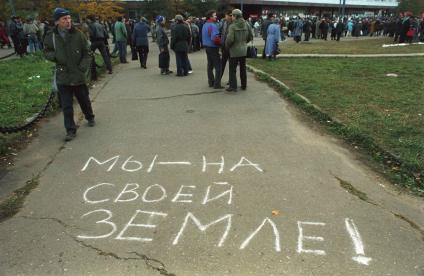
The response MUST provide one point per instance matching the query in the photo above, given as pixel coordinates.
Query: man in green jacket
(239, 34)
(121, 36)
(68, 48)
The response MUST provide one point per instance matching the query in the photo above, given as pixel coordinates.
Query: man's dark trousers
(66, 96)
(263, 50)
(164, 60)
(182, 63)
(143, 52)
(214, 62)
(100, 44)
(233, 72)
(224, 59)
(122, 48)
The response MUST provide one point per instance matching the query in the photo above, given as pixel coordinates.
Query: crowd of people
(226, 40)
(71, 49)
(25, 35)
(404, 29)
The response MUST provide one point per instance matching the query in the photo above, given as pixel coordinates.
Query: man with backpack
(98, 36)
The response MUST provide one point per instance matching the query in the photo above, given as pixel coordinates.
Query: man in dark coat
(18, 37)
(406, 24)
(140, 40)
(307, 29)
(180, 40)
(339, 29)
(323, 27)
(68, 48)
(162, 41)
(98, 36)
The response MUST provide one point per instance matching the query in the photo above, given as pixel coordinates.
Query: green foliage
(199, 8)
(169, 8)
(349, 46)
(23, 93)
(415, 6)
(382, 115)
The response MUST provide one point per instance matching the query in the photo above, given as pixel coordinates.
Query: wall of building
(316, 7)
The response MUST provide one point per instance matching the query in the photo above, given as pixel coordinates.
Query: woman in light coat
(273, 37)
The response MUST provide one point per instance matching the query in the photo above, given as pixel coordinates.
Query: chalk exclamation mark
(357, 243)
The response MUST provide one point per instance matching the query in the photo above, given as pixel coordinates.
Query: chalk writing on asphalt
(216, 191)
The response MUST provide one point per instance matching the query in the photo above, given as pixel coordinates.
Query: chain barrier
(39, 115)
(7, 56)
(32, 121)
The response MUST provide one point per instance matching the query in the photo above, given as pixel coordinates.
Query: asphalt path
(177, 178)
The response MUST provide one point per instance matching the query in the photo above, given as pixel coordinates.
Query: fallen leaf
(275, 212)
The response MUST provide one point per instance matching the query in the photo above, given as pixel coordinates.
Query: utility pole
(241, 6)
(12, 6)
(340, 7)
(343, 8)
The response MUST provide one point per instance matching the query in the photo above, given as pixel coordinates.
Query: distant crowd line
(405, 28)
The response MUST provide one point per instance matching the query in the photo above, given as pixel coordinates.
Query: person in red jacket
(4, 39)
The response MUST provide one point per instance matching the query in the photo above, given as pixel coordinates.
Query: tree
(153, 8)
(223, 6)
(102, 9)
(199, 8)
(414, 6)
(23, 8)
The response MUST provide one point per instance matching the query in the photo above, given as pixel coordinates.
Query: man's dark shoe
(110, 72)
(169, 72)
(91, 123)
(243, 88)
(231, 89)
(218, 87)
(70, 135)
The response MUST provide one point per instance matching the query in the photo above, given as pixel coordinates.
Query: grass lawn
(25, 85)
(347, 46)
(386, 110)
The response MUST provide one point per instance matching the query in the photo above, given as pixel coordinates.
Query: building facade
(317, 7)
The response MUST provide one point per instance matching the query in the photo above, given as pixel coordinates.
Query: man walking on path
(239, 34)
(98, 36)
(68, 48)
(162, 41)
(140, 40)
(211, 40)
(121, 39)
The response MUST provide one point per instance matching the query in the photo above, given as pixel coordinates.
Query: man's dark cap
(60, 12)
